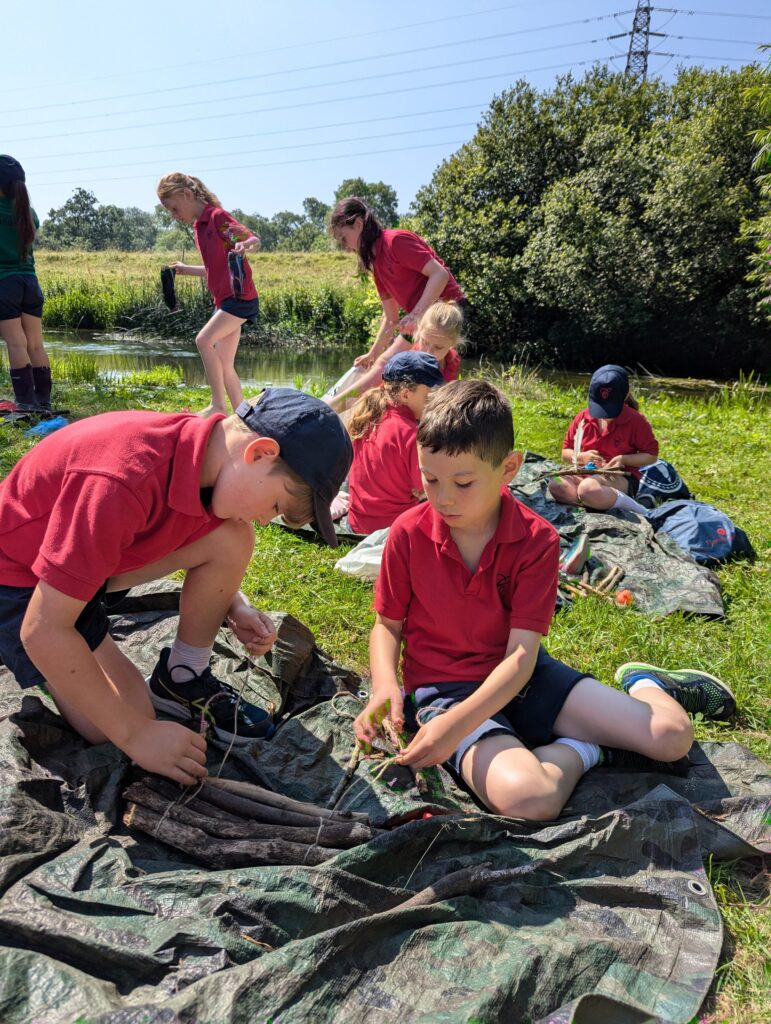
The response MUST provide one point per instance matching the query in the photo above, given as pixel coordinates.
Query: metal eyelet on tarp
(696, 887)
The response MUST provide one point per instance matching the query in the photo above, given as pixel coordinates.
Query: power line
(381, 30)
(303, 88)
(275, 163)
(712, 14)
(312, 67)
(276, 131)
(311, 103)
(274, 149)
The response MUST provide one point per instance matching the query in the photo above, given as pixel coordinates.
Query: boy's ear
(511, 465)
(261, 447)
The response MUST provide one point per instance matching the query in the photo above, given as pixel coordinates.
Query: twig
(350, 768)
(420, 779)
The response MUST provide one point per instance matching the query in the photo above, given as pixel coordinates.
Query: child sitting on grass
(385, 478)
(468, 582)
(126, 497)
(614, 435)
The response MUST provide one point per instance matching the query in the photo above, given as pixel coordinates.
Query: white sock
(588, 752)
(641, 683)
(627, 504)
(194, 658)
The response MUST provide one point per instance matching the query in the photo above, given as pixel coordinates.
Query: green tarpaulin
(603, 916)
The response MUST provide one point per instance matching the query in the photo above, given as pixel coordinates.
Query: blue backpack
(706, 533)
(660, 482)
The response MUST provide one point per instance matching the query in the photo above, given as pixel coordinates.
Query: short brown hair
(300, 510)
(468, 416)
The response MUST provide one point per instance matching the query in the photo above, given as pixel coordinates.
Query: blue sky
(270, 103)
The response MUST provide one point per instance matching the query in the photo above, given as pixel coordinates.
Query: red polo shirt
(215, 233)
(628, 434)
(385, 471)
(456, 623)
(451, 368)
(103, 496)
(399, 259)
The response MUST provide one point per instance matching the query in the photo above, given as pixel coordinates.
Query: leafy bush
(601, 221)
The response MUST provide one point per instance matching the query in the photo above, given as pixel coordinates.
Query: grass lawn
(720, 446)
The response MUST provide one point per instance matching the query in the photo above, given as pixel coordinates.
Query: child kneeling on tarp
(469, 582)
(385, 478)
(126, 497)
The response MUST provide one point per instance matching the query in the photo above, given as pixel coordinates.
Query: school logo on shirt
(501, 582)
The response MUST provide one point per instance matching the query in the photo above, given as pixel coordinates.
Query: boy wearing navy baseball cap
(126, 497)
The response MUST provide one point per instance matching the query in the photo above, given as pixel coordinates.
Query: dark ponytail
(25, 225)
(345, 213)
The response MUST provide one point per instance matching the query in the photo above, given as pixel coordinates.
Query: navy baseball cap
(313, 441)
(10, 170)
(414, 368)
(608, 389)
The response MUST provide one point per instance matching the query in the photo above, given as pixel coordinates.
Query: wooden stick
(468, 880)
(325, 832)
(267, 796)
(232, 853)
(250, 809)
(420, 779)
(348, 774)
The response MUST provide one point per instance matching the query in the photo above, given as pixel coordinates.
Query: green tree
(601, 220)
(73, 225)
(381, 197)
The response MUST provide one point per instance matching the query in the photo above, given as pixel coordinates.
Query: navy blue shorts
(530, 717)
(92, 624)
(20, 293)
(246, 309)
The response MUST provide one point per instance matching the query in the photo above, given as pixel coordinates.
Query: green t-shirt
(10, 258)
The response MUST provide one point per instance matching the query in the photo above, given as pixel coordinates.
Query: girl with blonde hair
(222, 242)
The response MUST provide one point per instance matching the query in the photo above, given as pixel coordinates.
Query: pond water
(256, 365)
(284, 365)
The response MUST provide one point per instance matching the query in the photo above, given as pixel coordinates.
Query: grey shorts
(529, 717)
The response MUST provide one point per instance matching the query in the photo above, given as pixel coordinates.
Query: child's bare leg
(215, 567)
(33, 331)
(12, 333)
(123, 676)
(227, 348)
(211, 334)
(521, 783)
(651, 722)
(600, 492)
(372, 376)
(564, 489)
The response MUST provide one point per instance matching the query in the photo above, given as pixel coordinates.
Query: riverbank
(699, 435)
(302, 295)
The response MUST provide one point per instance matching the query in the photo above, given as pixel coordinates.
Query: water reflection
(255, 364)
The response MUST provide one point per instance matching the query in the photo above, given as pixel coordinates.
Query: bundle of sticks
(570, 470)
(229, 824)
(580, 587)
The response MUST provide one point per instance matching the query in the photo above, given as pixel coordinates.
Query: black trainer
(696, 692)
(631, 761)
(204, 696)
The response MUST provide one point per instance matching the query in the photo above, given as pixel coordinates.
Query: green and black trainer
(696, 692)
(631, 761)
(192, 698)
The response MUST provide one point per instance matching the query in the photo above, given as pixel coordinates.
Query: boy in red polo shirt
(126, 497)
(614, 435)
(468, 581)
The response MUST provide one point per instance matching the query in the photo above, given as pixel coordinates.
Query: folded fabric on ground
(604, 915)
(661, 577)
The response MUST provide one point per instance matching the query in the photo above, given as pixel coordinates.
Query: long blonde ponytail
(176, 181)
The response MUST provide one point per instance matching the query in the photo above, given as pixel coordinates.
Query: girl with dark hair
(408, 274)
(21, 300)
